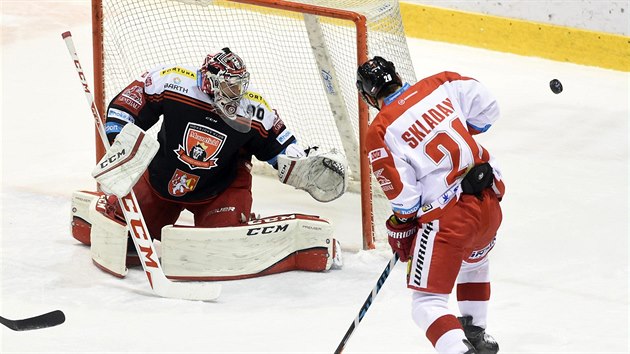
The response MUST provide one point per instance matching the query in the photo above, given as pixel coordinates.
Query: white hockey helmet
(225, 78)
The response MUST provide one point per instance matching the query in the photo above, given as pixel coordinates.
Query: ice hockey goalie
(213, 124)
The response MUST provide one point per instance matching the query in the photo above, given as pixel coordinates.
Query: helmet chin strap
(377, 105)
(371, 101)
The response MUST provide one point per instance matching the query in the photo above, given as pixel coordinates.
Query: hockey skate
(471, 348)
(483, 342)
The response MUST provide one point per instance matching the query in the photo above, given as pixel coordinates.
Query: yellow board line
(553, 42)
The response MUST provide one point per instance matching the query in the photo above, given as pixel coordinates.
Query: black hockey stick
(368, 302)
(46, 320)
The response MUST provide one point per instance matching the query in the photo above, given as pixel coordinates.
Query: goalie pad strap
(265, 246)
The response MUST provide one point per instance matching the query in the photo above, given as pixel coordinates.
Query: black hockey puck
(556, 86)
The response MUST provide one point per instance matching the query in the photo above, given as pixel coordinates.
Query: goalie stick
(367, 303)
(143, 242)
(46, 320)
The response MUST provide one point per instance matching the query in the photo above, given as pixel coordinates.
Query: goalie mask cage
(302, 56)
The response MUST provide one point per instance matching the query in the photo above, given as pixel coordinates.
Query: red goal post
(315, 45)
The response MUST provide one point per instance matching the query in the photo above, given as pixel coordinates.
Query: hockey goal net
(302, 55)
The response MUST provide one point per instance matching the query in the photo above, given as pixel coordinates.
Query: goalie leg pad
(265, 246)
(323, 176)
(108, 240)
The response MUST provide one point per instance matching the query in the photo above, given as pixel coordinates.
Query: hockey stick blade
(200, 291)
(46, 320)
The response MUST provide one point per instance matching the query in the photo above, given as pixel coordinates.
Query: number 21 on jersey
(451, 144)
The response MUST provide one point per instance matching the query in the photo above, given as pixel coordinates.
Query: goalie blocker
(260, 247)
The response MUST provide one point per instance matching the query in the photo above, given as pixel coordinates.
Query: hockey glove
(401, 235)
(322, 175)
(125, 161)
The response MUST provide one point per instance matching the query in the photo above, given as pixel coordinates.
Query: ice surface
(560, 267)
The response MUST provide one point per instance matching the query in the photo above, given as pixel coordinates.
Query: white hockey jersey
(420, 145)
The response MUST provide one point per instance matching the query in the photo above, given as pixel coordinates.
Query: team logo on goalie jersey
(200, 147)
(182, 183)
(131, 98)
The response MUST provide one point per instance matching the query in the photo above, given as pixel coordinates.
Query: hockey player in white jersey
(444, 189)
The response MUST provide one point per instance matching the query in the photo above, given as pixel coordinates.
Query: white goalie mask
(225, 78)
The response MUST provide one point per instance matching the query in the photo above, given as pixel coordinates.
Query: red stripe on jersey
(155, 98)
(473, 292)
(189, 100)
(441, 326)
(260, 128)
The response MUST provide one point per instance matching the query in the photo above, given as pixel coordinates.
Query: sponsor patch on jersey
(253, 96)
(179, 71)
(146, 78)
(284, 136)
(132, 98)
(407, 211)
(386, 184)
(118, 114)
(113, 127)
(173, 87)
(448, 195)
(478, 254)
(278, 124)
(377, 154)
(420, 258)
(182, 183)
(200, 146)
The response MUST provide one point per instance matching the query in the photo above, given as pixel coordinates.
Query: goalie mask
(373, 77)
(224, 78)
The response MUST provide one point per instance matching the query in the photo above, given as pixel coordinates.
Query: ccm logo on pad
(113, 158)
(271, 229)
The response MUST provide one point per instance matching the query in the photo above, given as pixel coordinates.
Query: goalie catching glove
(125, 161)
(323, 176)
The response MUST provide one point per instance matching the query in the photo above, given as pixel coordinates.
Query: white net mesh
(275, 44)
